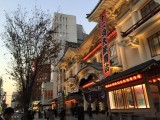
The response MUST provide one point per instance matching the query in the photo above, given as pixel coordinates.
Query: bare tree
(31, 42)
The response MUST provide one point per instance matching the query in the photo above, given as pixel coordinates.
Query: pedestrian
(97, 109)
(7, 114)
(30, 114)
(47, 114)
(80, 112)
(51, 114)
(72, 110)
(39, 114)
(75, 110)
(89, 110)
(55, 112)
(62, 114)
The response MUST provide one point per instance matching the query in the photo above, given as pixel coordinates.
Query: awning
(91, 77)
(76, 95)
(91, 96)
(45, 104)
(141, 68)
(94, 65)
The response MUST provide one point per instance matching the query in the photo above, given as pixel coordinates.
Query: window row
(154, 44)
(48, 94)
(129, 98)
(148, 8)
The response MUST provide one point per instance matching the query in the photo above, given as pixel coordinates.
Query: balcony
(71, 77)
(141, 21)
(70, 64)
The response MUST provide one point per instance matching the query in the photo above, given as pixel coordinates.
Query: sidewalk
(68, 117)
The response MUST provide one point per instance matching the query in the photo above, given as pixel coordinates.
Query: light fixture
(127, 80)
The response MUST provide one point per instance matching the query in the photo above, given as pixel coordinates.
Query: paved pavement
(69, 117)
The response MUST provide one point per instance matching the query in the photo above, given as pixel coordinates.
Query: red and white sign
(103, 32)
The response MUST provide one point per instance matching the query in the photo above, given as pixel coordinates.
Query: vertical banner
(103, 33)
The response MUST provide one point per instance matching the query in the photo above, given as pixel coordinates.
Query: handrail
(141, 21)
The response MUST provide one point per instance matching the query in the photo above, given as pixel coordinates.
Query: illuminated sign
(104, 39)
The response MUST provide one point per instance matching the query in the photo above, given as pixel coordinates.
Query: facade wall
(67, 30)
(47, 92)
(133, 49)
(130, 50)
(133, 55)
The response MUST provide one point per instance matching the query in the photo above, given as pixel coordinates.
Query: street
(69, 117)
(16, 116)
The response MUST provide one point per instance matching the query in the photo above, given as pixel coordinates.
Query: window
(129, 98)
(139, 96)
(154, 44)
(119, 97)
(148, 8)
(113, 51)
(112, 100)
(155, 96)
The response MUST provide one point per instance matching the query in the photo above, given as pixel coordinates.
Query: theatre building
(80, 67)
(131, 59)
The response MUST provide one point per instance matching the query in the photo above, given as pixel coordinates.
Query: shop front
(72, 100)
(134, 93)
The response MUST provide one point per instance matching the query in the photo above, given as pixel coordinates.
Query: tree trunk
(27, 100)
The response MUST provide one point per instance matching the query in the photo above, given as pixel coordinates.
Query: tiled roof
(137, 69)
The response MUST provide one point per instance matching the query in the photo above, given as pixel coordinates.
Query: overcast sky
(79, 8)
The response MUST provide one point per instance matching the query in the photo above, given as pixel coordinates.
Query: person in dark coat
(55, 112)
(7, 115)
(62, 114)
(97, 109)
(30, 115)
(72, 110)
(75, 110)
(89, 110)
(80, 112)
(39, 114)
(47, 114)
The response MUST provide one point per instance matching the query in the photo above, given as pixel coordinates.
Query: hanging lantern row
(72, 100)
(120, 82)
(89, 84)
(154, 80)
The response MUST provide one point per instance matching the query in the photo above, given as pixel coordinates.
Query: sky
(79, 8)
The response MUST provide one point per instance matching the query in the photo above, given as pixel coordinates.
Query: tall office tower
(67, 29)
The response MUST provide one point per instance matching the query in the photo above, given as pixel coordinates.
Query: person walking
(62, 114)
(30, 114)
(80, 112)
(75, 109)
(72, 110)
(47, 114)
(55, 112)
(51, 114)
(7, 115)
(39, 114)
(89, 110)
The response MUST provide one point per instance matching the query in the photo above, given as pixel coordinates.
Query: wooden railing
(141, 21)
